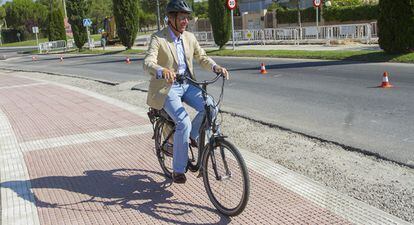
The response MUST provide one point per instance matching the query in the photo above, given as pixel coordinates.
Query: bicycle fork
(214, 164)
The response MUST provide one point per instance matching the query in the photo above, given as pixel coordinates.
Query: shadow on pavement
(57, 59)
(126, 188)
(374, 57)
(300, 65)
(111, 61)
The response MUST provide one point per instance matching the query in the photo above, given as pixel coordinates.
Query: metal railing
(358, 32)
(54, 46)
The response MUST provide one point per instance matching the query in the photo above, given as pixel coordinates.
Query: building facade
(259, 5)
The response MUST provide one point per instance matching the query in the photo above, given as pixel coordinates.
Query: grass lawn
(100, 51)
(25, 43)
(363, 55)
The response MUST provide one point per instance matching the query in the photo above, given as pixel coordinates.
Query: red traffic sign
(317, 3)
(231, 4)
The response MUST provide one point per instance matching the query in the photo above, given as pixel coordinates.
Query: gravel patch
(379, 183)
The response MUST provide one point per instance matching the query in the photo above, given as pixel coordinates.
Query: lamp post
(327, 4)
(64, 8)
(329, 30)
(158, 15)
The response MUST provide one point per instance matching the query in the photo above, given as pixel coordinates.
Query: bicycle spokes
(226, 178)
(221, 160)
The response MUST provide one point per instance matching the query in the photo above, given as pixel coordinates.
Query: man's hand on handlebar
(222, 70)
(168, 75)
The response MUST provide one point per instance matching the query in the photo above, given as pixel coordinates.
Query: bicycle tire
(207, 174)
(164, 159)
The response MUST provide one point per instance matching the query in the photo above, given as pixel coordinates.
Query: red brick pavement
(10, 81)
(118, 180)
(47, 111)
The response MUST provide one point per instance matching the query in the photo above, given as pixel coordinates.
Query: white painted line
(134, 109)
(14, 180)
(84, 138)
(23, 85)
(349, 208)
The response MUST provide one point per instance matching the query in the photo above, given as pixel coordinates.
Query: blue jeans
(184, 128)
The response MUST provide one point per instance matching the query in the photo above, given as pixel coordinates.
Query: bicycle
(215, 159)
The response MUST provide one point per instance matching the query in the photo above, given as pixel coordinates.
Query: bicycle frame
(212, 125)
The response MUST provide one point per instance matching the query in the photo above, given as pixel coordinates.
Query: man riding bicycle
(169, 56)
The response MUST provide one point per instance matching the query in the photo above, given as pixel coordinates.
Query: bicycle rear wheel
(164, 152)
(226, 178)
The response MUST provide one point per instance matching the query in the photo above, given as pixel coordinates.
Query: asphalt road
(332, 100)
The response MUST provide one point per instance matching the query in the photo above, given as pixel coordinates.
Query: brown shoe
(193, 143)
(179, 178)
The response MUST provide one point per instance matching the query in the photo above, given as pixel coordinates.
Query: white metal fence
(54, 46)
(360, 32)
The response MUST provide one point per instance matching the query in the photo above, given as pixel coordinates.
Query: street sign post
(317, 4)
(36, 31)
(231, 4)
(87, 23)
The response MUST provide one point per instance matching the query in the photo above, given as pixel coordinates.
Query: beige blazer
(162, 53)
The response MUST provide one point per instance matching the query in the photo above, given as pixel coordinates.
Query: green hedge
(291, 15)
(10, 35)
(350, 13)
(396, 26)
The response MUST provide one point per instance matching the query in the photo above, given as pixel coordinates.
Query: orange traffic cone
(127, 60)
(61, 58)
(263, 69)
(385, 83)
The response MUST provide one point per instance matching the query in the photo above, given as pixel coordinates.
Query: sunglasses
(183, 17)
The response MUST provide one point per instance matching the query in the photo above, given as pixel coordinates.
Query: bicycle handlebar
(205, 82)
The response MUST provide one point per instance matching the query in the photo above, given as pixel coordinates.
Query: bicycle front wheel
(226, 178)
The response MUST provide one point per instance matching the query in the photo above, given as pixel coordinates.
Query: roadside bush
(345, 13)
(291, 15)
(351, 13)
(10, 35)
(396, 26)
(220, 21)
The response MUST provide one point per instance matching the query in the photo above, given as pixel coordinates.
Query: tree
(2, 13)
(339, 3)
(99, 10)
(201, 9)
(146, 19)
(149, 7)
(220, 21)
(24, 14)
(396, 26)
(126, 18)
(77, 11)
(56, 26)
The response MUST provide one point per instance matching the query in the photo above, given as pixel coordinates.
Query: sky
(4, 1)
